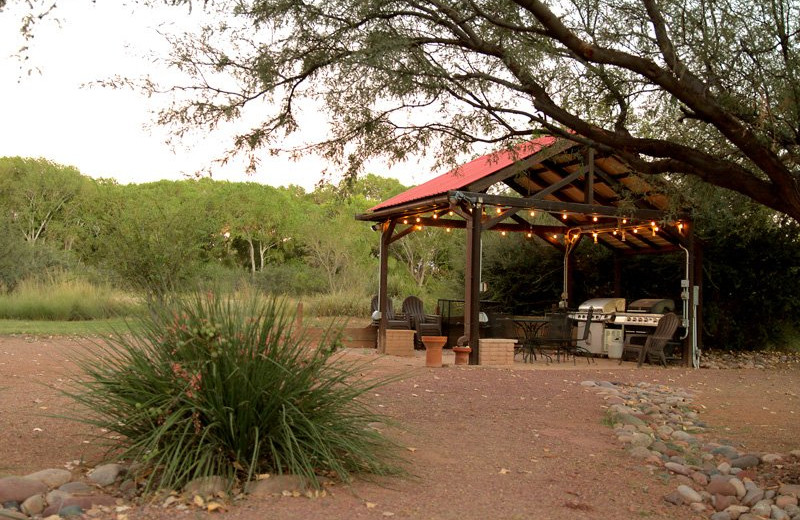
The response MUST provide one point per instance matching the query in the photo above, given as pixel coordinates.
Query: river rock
(639, 452)
(771, 458)
(753, 496)
(790, 489)
(33, 505)
(20, 488)
(674, 467)
(735, 511)
(84, 503)
(778, 514)
(77, 488)
(689, 494)
(784, 500)
(762, 508)
(106, 474)
(275, 485)
(641, 439)
(721, 486)
(745, 461)
(52, 478)
(722, 502)
(207, 486)
(10, 514)
(729, 452)
(721, 515)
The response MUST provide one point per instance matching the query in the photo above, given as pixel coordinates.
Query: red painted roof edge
(468, 173)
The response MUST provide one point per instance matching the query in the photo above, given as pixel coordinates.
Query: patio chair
(393, 321)
(558, 338)
(424, 324)
(652, 345)
(571, 346)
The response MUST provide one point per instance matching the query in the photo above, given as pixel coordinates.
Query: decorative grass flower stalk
(212, 386)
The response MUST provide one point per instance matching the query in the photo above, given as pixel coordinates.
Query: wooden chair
(393, 321)
(424, 324)
(653, 344)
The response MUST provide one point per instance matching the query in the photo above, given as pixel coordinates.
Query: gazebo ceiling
(584, 192)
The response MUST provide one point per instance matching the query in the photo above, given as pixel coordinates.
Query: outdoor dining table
(531, 328)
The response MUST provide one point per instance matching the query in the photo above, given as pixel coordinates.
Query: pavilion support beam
(554, 206)
(383, 282)
(472, 278)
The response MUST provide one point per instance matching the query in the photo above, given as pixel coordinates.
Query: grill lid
(652, 305)
(604, 305)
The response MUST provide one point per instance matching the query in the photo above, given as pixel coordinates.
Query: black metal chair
(559, 339)
(393, 321)
(424, 324)
(652, 345)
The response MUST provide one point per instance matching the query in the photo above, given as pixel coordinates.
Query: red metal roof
(466, 174)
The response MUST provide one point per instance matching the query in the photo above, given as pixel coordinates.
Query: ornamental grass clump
(212, 386)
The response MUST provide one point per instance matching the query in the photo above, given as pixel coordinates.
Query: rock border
(658, 425)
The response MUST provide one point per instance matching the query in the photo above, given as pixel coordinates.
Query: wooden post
(386, 234)
(472, 277)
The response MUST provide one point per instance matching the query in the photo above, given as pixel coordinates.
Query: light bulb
(447, 229)
(503, 233)
(405, 221)
(594, 235)
(530, 235)
(564, 216)
(533, 213)
(594, 219)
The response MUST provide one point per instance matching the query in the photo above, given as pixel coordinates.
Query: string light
(594, 219)
(447, 229)
(624, 221)
(533, 213)
(503, 233)
(418, 219)
(680, 226)
(530, 234)
(499, 210)
(555, 237)
(450, 213)
(405, 221)
(435, 216)
(594, 236)
(419, 228)
(564, 216)
(636, 230)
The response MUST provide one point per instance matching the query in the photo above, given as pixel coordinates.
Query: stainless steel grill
(603, 311)
(645, 312)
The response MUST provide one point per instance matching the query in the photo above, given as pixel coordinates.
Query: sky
(106, 133)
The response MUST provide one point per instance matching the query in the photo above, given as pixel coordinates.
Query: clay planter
(462, 355)
(433, 350)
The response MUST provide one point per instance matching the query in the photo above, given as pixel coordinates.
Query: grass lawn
(65, 328)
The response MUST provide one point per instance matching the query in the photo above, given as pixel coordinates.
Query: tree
(709, 89)
(35, 193)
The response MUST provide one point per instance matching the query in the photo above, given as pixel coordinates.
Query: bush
(217, 386)
(64, 298)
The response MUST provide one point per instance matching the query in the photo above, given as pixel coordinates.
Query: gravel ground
(522, 442)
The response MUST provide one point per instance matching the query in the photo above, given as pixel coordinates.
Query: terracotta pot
(433, 350)
(462, 355)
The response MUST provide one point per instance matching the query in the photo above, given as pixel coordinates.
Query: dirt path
(483, 442)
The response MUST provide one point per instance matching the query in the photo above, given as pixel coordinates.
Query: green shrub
(352, 304)
(221, 386)
(62, 298)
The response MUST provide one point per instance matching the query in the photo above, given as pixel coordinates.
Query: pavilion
(590, 194)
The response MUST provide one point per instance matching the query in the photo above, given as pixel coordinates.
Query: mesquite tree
(704, 88)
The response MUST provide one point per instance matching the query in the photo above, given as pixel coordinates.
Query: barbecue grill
(603, 311)
(645, 312)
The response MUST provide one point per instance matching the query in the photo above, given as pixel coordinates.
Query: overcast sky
(103, 132)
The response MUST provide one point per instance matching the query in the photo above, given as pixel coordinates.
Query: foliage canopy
(704, 89)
